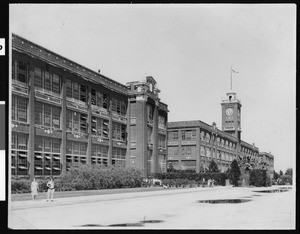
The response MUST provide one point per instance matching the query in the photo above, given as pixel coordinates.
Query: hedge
(189, 177)
(86, 177)
(259, 178)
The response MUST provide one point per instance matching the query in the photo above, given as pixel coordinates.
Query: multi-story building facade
(63, 113)
(194, 144)
(148, 126)
(266, 161)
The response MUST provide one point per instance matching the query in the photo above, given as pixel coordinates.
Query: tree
(276, 175)
(280, 173)
(213, 167)
(171, 168)
(289, 171)
(234, 173)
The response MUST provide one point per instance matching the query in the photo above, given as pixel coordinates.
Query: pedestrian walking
(34, 188)
(50, 191)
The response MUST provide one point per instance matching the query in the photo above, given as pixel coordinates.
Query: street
(164, 209)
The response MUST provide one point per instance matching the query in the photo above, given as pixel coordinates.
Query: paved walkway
(171, 209)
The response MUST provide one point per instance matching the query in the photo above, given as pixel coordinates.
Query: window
(38, 81)
(96, 126)
(162, 141)
(173, 136)
(83, 148)
(38, 144)
(118, 106)
(20, 72)
(105, 130)
(47, 81)
(208, 152)
(82, 93)
(118, 153)
(202, 135)
(93, 97)
(188, 135)
(150, 112)
(19, 109)
(161, 122)
(46, 115)
(76, 148)
(69, 88)
(76, 122)
(56, 84)
(56, 117)
(38, 113)
(188, 152)
(105, 101)
(119, 131)
(75, 90)
(22, 141)
(173, 151)
(56, 145)
(47, 144)
(202, 150)
(22, 109)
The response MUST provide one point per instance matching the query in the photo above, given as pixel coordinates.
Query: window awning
(22, 167)
(38, 156)
(23, 155)
(83, 159)
(48, 168)
(48, 157)
(56, 157)
(56, 168)
(39, 168)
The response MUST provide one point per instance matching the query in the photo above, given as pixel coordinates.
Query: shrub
(87, 177)
(20, 186)
(234, 173)
(259, 178)
(285, 179)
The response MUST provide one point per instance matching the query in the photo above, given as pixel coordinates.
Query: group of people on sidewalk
(35, 188)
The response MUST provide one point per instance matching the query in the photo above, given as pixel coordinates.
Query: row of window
(190, 151)
(47, 115)
(19, 141)
(76, 91)
(19, 72)
(99, 99)
(47, 81)
(47, 144)
(76, 121)
(185, 135)
(19, 109)
(99, 127)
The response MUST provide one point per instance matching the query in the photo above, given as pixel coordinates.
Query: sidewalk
(66, 198)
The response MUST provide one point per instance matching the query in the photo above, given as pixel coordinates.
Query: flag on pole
(234, 71)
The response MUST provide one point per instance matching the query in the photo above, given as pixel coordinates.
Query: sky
(189, 50)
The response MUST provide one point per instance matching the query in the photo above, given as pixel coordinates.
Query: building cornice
(24, 46)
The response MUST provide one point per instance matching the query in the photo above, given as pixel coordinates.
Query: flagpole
(230, 78)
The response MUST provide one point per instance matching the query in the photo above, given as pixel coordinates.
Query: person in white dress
(50, 191)
(34, 189)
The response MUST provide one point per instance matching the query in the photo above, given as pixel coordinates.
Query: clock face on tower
(229, 111)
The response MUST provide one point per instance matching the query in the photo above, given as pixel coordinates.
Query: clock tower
(231, 115)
